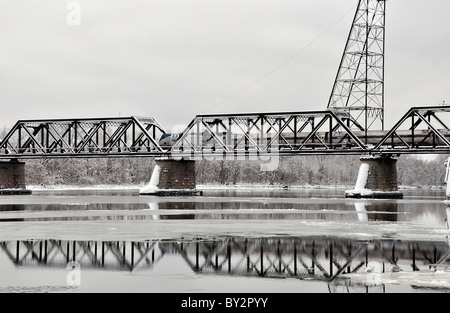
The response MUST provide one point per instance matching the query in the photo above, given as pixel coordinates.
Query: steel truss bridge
(421, 130)
(320, 258)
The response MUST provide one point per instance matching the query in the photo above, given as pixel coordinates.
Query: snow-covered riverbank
(218, 187)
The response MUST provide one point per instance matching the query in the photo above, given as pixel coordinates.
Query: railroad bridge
(353, 123)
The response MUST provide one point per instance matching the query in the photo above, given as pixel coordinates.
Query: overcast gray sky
(173, 59)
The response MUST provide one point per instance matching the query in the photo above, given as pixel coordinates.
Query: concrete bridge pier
(12, 178)
(172, 178)
(377, 178)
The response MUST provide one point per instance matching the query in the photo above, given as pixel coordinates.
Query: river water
(240, 240)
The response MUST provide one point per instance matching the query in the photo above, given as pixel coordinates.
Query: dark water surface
(279, 241)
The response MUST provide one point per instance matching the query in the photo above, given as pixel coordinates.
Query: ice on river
(272, 216)
(425, 279)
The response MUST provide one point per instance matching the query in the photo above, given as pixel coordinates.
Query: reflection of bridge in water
(318, 258)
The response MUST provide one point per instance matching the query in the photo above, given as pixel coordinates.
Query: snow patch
(363, 174)
(83, 188)
(447, 178)
(361, 181)
(154, 181)
(428, 279)
(250, 187)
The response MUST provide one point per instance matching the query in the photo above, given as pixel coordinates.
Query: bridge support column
(12, 178)
(377, 178)
(172, 178)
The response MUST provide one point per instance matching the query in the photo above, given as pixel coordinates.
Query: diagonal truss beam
(426, 131)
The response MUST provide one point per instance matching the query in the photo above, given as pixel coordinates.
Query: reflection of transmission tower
(358, 91)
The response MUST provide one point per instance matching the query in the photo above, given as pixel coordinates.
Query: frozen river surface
(225, 241)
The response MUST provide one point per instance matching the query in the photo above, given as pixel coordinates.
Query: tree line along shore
(290, 171)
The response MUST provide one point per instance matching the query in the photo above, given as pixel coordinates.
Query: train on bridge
(287, 140)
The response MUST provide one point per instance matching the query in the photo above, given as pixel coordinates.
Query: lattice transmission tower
(358, 91)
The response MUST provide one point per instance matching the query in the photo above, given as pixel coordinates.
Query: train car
(340, 139)
(168, 139)
(287, 140)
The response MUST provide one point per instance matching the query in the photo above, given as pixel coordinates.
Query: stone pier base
(172, 178)
(12, 178)
(377, 178)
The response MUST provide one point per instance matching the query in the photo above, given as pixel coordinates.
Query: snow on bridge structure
(353, 123)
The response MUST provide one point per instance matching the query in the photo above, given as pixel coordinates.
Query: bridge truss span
(311, 132)
(83, 138)
(421, 130)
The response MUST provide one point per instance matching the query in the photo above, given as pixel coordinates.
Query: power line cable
(281, 64)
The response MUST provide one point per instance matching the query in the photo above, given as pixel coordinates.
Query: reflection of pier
(319, 258)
